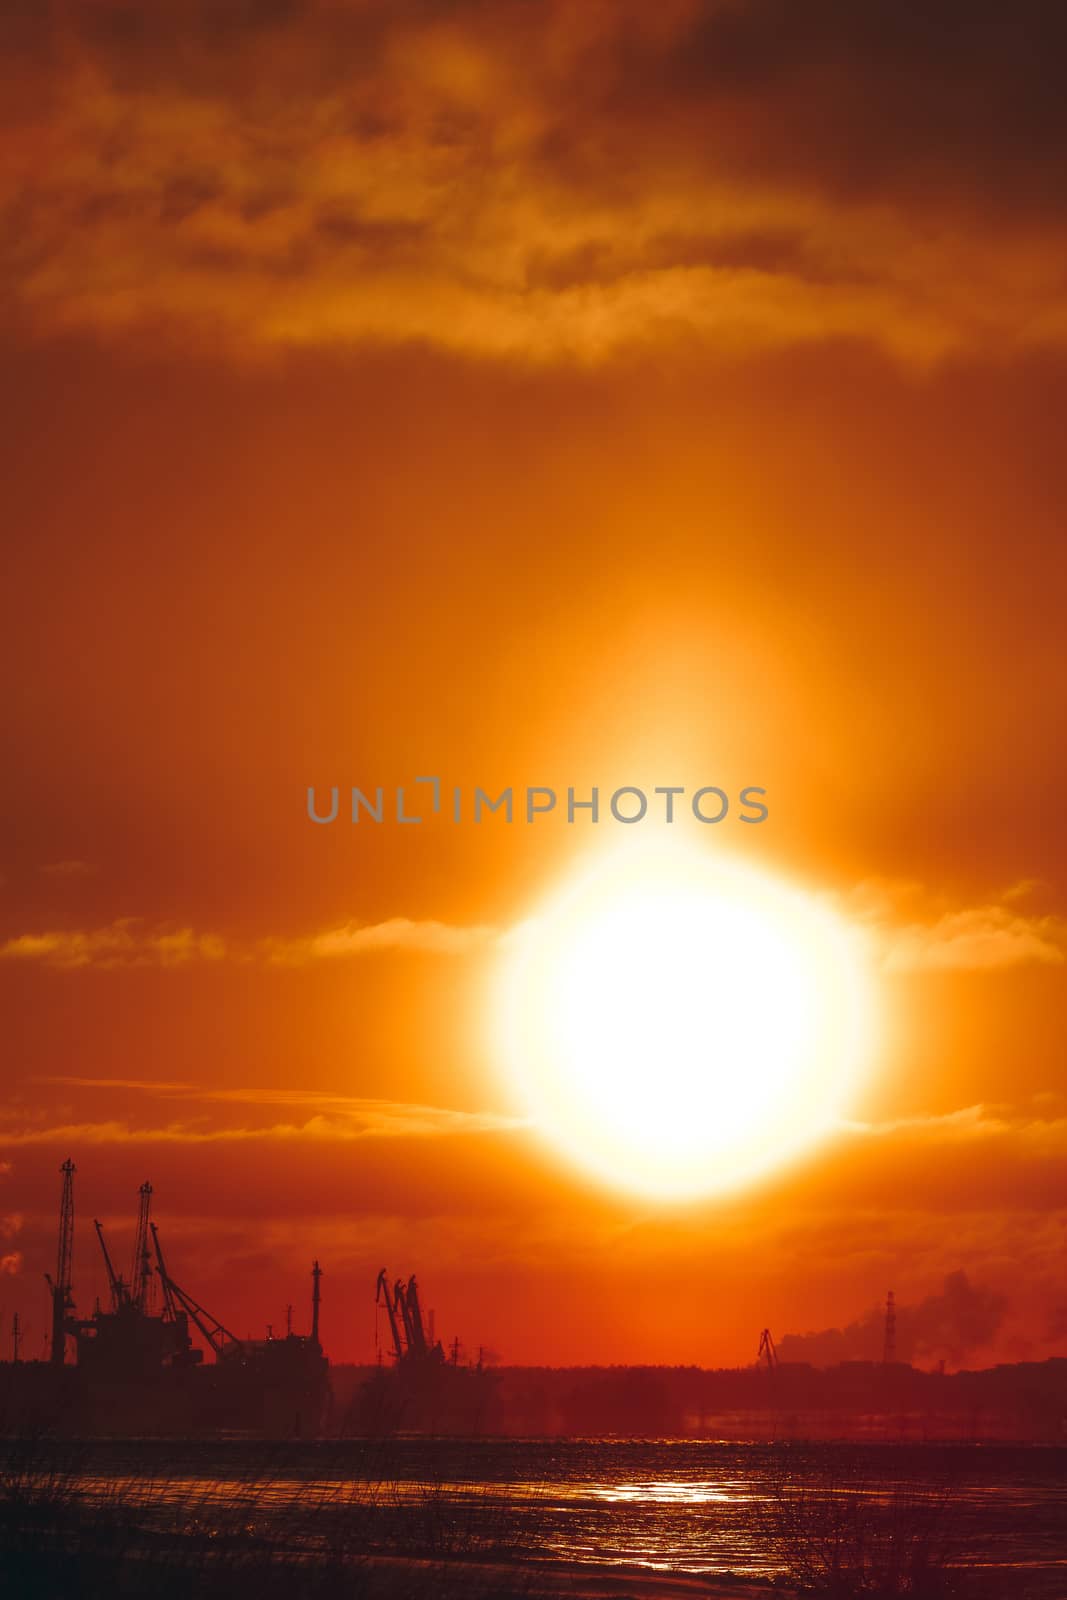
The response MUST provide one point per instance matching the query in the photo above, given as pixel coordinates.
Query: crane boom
(400, 1301)
(414, 1316)
(382, 1294)
(218, 1336)
(117, 1286)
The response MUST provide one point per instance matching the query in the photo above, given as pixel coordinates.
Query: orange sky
(533, 395)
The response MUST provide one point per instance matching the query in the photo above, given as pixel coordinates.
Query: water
(683, 1506)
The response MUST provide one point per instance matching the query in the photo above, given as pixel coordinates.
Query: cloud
(912, 938)
(1021, 890)
(11, 1264)
(551, 182)
(333, 1117)
(998, 1134)
(909, 933)
(163, 1088)
(353, 939)
(386, 1122)
(129, 942)
(69, 869)
(124, 943)
(978, 940)
(968, 1122)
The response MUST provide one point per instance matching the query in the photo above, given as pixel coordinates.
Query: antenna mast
(141, 1276)
(62, 1298)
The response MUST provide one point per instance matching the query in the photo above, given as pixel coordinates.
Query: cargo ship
(136, 1370)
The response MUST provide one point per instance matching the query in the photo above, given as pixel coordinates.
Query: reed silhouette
(838, 1533)
(67, 1533)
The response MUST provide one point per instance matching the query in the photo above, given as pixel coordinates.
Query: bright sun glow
(678, 1026)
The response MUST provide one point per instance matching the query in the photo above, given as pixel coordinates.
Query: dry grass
(67, 1534)
(842, 1536)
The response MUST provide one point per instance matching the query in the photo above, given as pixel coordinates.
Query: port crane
(406, 1327)
(767, 1355)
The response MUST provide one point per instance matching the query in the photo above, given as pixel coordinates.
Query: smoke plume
(944, 1327)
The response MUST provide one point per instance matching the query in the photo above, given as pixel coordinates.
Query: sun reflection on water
(668, 1491)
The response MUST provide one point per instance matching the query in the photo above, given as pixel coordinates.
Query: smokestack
(316, 1274)
(889, 1346)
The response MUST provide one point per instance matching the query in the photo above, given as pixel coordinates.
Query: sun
(678, 1025)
